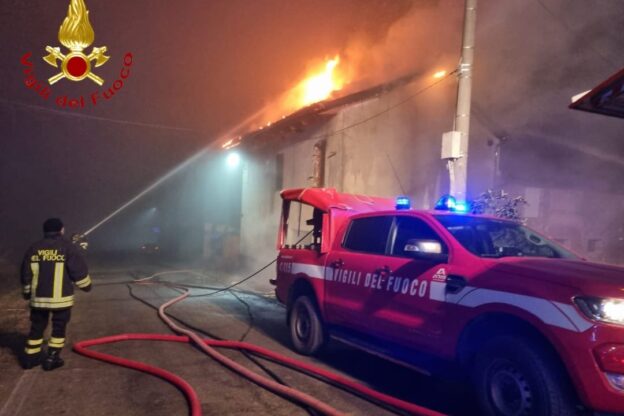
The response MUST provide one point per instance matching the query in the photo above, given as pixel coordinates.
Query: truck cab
(537, 329)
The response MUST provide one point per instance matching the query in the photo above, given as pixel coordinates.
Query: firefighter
(50, 269)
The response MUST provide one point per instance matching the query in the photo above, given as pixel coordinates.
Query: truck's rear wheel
(307, 331)
(517, 377)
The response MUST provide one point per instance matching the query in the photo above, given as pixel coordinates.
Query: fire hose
(209, 345)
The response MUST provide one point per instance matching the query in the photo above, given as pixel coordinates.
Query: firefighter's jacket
(50, 269)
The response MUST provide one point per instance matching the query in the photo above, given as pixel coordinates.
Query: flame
(231, 143)
(320, 86)
(320, 83)
(76, 32)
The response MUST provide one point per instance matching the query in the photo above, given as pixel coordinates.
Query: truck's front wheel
(514, 376)
(307, 331)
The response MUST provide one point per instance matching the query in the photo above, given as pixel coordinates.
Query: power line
(386, 110)
(95, 118)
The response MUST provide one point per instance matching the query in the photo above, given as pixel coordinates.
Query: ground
(88, 387)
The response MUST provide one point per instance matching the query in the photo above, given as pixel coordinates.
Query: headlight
(602, 309)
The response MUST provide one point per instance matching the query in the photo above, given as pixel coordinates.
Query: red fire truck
(538, 330)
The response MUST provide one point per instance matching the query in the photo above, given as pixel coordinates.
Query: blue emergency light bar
(449, 203)
(403, 202)
(461, 207)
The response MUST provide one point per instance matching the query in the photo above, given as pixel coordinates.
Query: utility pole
(455, 143)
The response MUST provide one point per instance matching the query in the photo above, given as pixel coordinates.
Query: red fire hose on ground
(209, 345)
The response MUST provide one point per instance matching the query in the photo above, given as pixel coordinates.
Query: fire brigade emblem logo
(76, 34)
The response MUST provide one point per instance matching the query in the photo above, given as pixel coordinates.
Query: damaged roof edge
(607, 98)
(299, 118)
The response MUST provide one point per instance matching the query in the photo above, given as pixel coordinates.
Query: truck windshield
(488, 237)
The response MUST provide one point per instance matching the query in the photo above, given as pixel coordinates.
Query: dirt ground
(88, 387)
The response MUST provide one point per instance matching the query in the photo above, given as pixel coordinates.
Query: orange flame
(320, 86)
(320, 83)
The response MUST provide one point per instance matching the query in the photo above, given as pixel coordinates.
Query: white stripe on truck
(561, 315)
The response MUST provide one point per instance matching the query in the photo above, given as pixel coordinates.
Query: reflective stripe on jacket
(50, 269)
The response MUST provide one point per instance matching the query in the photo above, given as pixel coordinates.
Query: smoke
(524, 80)
(227, 59)
(424, 37)
(531, 58)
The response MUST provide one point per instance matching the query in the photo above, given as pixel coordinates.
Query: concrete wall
(375, 148)
(586, 221)
(388, 155)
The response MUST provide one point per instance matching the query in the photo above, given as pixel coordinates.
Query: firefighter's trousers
(39, 321)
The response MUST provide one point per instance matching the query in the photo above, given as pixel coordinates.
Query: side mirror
(425, 250)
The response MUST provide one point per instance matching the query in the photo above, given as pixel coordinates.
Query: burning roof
(296, 122)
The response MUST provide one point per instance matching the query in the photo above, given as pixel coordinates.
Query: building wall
(388, 155)
(398, 152)
(588, 222)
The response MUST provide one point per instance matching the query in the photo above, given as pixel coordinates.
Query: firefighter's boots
(52, 361)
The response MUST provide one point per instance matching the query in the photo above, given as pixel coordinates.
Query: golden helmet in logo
(76, 34)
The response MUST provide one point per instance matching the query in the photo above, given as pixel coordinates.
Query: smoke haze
(200, 67)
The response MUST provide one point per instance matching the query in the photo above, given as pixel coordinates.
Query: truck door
(300, 254)
(351, 271)
(403, 310)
